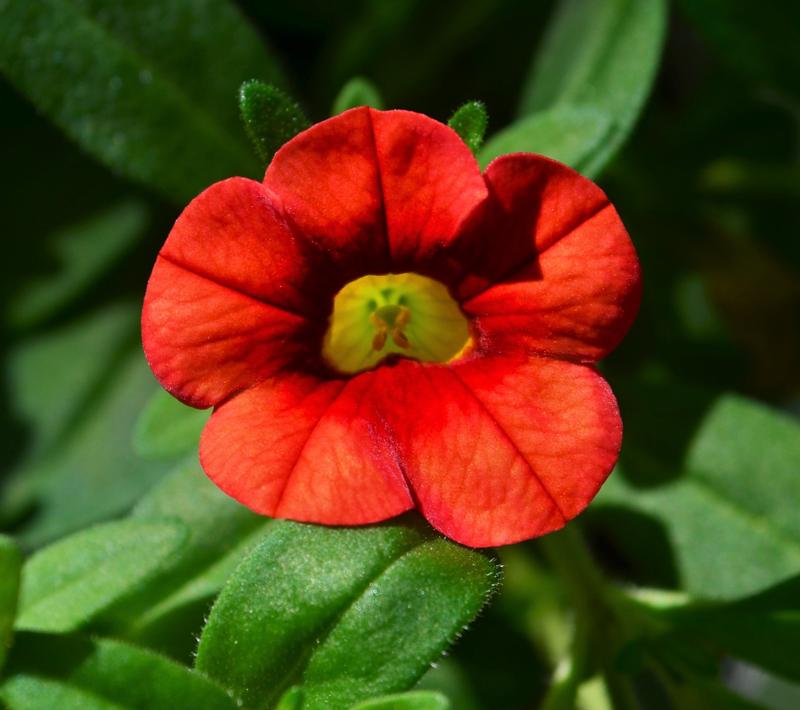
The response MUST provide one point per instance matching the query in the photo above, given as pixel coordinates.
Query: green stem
(597, 615)
(567, 553)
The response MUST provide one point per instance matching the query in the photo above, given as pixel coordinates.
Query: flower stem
(599, 630)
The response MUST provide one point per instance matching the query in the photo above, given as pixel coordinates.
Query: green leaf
(76, 673)
(10, 564)
(270, 117)
(68, 583)
(414, 700)
(470, 123)
(30, 692)
(83, 252)
(79, 467)
(570, 134)
(731, 515)
(357, 92)
(148, 88)
(166, 428)
(763, 630)
(370, 609)
(169, 611)
(597, 55)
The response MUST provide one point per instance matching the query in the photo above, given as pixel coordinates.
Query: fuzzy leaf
(357, 92)
(77, 673)
(148, 88)
(10, 564)
(270, 117)
(79, 467)
(470, 123)
(569, 134)
(414, 700)
(168, 613)
(68, 583)
(348, 613)
(731, 515)
(766, 638)
(598, 55)
(84, 252)
(166, 428)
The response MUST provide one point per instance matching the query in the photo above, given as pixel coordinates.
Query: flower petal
(305, 449)
(224, 304)
(234, 234)
(560, 275)
(431, 184)
(205, 341)
(377, 190)
(499, 450)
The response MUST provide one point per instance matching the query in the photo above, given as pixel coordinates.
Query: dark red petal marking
(498, 451)
(205, 341)
(377, 190)
(327, 179)
(225, 303)
(566, 276)
(233, 234)
(430, 181)
(305, 449)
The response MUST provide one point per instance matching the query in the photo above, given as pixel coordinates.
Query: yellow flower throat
(394, 314)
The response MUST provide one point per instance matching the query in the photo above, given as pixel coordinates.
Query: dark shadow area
(633, 547)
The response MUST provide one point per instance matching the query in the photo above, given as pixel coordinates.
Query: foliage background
(705, 501)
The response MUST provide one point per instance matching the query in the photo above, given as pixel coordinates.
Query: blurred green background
(708, 184)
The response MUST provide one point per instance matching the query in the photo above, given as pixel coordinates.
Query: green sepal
(470, 123)
(357, 92)
(270, 117)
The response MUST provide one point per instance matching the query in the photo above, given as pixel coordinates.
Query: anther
(396, 318)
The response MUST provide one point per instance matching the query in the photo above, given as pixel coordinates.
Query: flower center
(393, 314)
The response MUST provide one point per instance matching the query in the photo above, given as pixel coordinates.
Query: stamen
(381, 332)
(372, 320)
(400, 339)
(395, 316)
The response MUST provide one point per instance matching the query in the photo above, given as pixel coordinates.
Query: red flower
(496, 427)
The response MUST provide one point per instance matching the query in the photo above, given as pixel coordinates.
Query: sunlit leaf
(731, 513)
(71, 581)
(348, 613)
(597, 55)
(148, 88)
(168, 613)
(569, 134)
